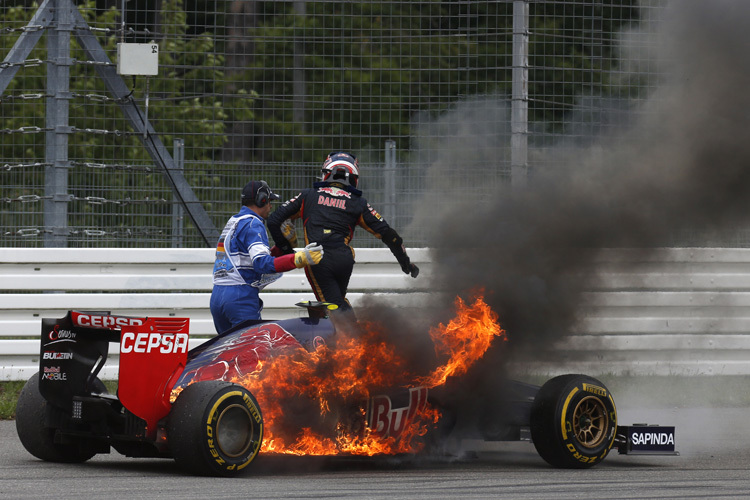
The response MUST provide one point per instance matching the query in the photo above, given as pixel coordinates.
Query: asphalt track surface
(714, 463)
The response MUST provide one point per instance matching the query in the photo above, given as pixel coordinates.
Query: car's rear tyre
(215, 428)
(38, 439)
(573, 421)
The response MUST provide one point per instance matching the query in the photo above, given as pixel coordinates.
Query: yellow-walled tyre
(215, 428)
(573, 421)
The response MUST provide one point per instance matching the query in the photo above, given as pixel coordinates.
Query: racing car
(187, 404)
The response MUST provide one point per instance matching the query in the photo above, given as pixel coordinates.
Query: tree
(186, 101)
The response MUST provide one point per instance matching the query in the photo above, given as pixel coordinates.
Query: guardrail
(45, 283)
(662, 312)
(667, 311)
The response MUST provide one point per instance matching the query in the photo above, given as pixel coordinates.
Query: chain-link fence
(94, 156)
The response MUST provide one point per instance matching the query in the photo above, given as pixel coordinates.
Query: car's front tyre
(573, 421)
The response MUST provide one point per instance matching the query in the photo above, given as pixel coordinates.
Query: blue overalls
(243, 267)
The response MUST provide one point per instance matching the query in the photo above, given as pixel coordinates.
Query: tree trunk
(241, 18)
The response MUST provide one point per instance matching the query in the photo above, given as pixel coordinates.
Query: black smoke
(681, 162)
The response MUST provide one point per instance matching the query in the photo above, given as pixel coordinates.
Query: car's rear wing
(74, 349)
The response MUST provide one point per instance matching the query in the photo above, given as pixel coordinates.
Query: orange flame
(464, 340)
(325, 388)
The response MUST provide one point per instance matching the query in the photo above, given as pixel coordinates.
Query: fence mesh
(264, 90)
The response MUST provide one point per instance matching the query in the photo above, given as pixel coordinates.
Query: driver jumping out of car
(330, 211)
(245, 264)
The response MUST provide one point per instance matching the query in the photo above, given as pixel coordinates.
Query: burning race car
(304, 386)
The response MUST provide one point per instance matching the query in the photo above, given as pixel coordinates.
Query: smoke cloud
(681, 161)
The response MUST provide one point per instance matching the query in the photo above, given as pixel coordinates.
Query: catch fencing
(683, 311)
(98, 155)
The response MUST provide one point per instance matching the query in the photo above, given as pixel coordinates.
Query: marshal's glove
(289, 232)
(308, 256)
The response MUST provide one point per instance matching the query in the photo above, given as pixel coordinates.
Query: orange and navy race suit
(330, 211)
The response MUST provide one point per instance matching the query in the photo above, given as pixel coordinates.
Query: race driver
(330, 211)
(244, 264)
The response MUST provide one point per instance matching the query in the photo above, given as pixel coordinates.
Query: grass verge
(8, 397)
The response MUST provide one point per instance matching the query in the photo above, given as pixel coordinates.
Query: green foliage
(8, 398)
(426, 70)
(443, 52)
(370, 71)
(572, 51)
(186, 100)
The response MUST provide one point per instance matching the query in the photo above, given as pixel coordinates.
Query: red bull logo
(335, 191)
(384, 420)
(54, 373)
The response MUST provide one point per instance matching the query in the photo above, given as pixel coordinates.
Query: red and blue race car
(286, 386)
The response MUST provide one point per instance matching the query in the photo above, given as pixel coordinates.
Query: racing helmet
(341, 167)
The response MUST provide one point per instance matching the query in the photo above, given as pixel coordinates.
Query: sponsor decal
(584, 458)
(211, 442)
(105, 321)
(62, 335)
(331, 202)
(374, 213)
(595, 389)
(251, 407)
(211, 431)
(387, 421)
(153, 342)
(318, 341)
(335, 191)
(652, 438)
(54, 373)
(288, 202)
(57, 355)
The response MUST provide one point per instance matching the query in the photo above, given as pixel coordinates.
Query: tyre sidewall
(194, 427)
(235, 396)
(552, 421)
(35, 436)
(577, 391)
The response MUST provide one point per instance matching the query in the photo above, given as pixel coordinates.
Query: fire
(312, 402)
(464, 340)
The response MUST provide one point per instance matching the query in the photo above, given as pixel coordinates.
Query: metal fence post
(178, 213)
(298, 109)
(56, 122)
(519, 100)
(389, 184)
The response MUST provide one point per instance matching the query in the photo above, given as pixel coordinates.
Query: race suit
(243, 267)
(330, 212)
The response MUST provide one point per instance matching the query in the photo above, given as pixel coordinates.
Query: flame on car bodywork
(333, 400)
